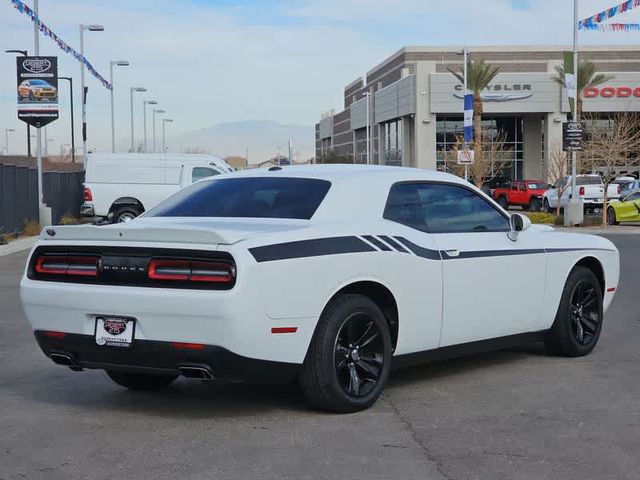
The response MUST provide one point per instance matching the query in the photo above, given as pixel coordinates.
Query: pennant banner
(594, 22)
(46, 31)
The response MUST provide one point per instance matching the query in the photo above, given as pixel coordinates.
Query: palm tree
(587, 78)
(479, 75)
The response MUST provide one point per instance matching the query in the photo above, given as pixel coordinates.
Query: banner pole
(36, 45)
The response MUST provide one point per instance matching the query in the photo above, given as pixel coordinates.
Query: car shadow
(193, 399)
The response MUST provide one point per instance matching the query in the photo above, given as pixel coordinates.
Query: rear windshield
(588, 180)
(277, 197)
(535, 186)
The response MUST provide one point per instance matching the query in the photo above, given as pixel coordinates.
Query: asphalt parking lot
(516, 414)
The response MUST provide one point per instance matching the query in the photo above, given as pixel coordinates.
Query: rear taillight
(190, 271)
(67, 265)
(618, 185)
(88, 196)
(581, 191)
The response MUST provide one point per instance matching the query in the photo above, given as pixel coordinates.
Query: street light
(117, 63)
(6, 138)
(164, 145)
(83, 89)
(24, 53)
(131, 90)
(144, 114)
(73, 136)
(368, 95)
(155, 110)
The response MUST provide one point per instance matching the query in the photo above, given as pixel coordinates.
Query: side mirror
(518, 223)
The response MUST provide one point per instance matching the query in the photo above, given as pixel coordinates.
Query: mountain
(261, 137)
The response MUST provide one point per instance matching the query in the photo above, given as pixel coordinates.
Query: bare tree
(558, 162)
(496, 156)
(609, 147)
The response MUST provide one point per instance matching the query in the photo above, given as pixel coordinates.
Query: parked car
(332, 273)
(526, 194)
(36, 89)
(627, 209)
(627, 185)
(590, 191)
(119, 187)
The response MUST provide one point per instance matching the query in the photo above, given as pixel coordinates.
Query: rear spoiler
(127, 234)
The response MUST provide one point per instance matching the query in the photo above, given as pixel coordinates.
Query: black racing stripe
(393, 243)
(310, 248)
(495, 253)
(559, 250)
(420, 251)
(376, 242)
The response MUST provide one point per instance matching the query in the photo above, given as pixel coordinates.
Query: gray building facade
(415, 105)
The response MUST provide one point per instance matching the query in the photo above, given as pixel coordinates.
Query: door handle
(452, 252)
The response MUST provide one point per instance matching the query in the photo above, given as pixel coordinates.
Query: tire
(354, 326)
(575, 332)
(545, 206)
(534, 205)
(124, 214)
(141, 381)
(611, 216)
(503, 202)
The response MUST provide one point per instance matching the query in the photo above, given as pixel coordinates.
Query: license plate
(115, 331)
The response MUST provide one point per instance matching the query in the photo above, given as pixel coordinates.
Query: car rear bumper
(170, 358)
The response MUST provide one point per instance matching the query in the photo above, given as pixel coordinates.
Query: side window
(633, 197)
(443, 208)
(199, 173)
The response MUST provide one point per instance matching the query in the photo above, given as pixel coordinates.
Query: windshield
(254, 197)
(588, 180)
(39, 83)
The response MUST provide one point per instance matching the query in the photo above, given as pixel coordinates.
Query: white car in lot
(334, 274)
(590, 192)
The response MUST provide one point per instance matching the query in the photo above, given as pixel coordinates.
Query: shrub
(540, 217)
(69, 220)
(31, 228)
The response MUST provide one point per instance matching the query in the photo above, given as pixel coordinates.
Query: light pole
(144, 116)
(131, 90)
(83, 89)
(24, 53)
(574, 215)
(117, 63)
(164, 145)
(368, 95)
(155, 110)
(73, 136)
(7, 131)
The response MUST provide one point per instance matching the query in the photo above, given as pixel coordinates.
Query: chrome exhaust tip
(65, 360)
(197, 372)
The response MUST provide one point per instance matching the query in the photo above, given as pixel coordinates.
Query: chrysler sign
(501, 92)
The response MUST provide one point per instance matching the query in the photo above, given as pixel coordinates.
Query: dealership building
(415, 105)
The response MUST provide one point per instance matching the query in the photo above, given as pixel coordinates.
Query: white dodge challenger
(332, 274)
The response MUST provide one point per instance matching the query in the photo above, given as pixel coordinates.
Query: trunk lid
(192, 230)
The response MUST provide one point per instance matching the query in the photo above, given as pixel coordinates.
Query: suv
(527, 194)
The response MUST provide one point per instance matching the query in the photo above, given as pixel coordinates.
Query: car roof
(358, 192)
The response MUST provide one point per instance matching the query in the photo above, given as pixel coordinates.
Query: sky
(215, 61)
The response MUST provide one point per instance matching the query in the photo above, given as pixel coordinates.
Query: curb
(18, 245)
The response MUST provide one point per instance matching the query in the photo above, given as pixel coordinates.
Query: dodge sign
(37, 90)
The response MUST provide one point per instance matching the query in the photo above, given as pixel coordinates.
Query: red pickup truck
(527, 194)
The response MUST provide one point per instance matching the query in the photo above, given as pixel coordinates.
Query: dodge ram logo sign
(610, 92)
(36, 65)
(115, 327)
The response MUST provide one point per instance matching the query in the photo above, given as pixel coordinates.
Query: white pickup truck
(120, 186)
(590, 191)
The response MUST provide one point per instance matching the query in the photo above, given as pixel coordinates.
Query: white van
(120, 186)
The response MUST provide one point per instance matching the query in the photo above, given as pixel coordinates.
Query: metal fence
(19, 199)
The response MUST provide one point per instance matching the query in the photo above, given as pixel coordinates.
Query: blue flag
(468, 117)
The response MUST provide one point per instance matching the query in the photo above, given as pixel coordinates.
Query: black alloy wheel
(349, 358)
(578, 323)
(534, 205)
(359, 355)
(584, 313)
(611, 216)
(545, 206)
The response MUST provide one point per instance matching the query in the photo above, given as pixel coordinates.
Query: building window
(392, 143)
(449, 129)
